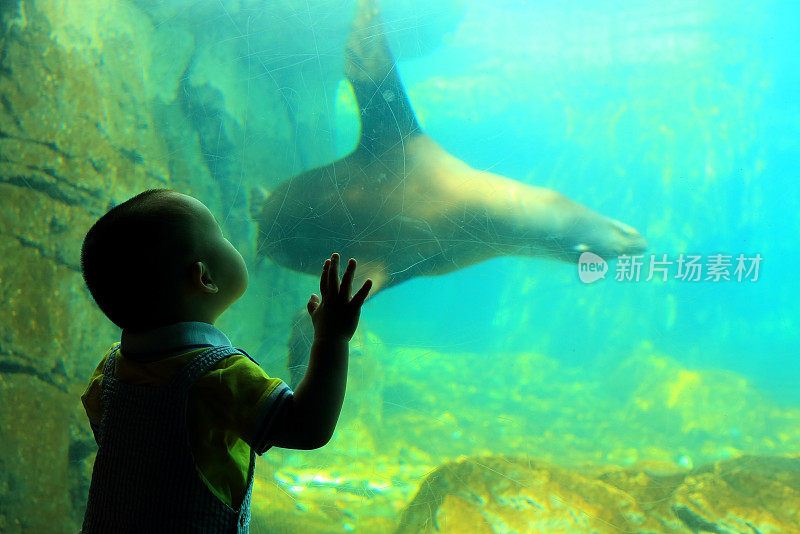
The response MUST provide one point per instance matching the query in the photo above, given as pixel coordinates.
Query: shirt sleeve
(271, 411)
(92, 397)
(249, 401)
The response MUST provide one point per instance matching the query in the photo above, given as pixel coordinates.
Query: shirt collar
(173, 338)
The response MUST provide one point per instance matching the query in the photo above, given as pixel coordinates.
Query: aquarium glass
(579, 218)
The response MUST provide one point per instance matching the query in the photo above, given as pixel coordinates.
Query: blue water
(682, 121)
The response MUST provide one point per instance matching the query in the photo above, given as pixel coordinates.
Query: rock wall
(100, 100)
(74, 137)
(489, 495)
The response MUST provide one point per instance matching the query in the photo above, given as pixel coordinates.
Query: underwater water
(492, 387)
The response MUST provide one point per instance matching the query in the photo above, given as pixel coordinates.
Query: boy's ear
(202, 276)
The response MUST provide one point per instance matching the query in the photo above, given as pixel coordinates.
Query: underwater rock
(34, 495)
(520, 441)
(76, 136)
(261, 105)
(708, 414)
(313, 498)
(173, 48)
(649, 406)
(507, 494)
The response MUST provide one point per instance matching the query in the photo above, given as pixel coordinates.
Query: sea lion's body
(404, 207)
(442, 215)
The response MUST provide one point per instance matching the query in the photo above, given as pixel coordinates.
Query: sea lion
(404, 207)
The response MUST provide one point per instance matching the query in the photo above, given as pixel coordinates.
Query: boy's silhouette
(178, 413)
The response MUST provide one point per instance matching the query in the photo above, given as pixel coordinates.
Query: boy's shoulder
(159, 369)
(235, 393)
(237, 374)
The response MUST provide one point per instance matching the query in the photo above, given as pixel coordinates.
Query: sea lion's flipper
(258, 196)
(386, 115)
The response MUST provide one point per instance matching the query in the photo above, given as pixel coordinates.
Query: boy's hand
(337, 315)
(310, 419)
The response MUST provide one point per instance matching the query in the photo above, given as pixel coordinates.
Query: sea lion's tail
(367, 53)
(386, 114)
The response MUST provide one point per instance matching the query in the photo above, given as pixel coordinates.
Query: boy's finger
(347, 278)
(313, 304)
(323, 280)
(333, 275)
(361, 296)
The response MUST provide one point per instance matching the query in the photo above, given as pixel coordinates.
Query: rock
(647, 407)
(510, 494)
(34, 481)
(76, 135)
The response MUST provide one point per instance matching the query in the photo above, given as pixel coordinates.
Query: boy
(178, 413)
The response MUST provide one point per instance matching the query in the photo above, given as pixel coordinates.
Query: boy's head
(159, 258)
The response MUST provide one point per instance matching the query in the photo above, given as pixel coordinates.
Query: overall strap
(111, 361)
(199, 366)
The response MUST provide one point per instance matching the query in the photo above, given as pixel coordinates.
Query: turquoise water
(678, 120)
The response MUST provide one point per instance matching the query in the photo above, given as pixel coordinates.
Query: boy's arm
(312, 412)
(310, 417)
